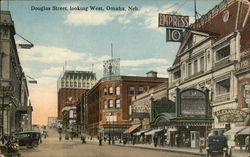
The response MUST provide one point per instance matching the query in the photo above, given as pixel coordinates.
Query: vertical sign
(174, 35)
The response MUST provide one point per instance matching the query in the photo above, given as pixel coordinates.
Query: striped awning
(131, 129)
(140, 132)
(152, 132)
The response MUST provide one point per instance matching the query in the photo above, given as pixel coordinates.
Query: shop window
(111, 103)
(223, 53)
(202, 64)
(118, 90)
(223, 87)
(104, 91)
(177, 74)
(140, 90)
(117, 103)
(131, 91)
(110, 90)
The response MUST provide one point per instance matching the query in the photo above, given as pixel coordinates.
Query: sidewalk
(193, 151)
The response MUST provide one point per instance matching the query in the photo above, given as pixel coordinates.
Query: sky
(78, 39)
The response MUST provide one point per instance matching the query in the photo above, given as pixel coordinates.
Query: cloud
(50, 54)
(148, 15)
(88, 18)
(139, 62)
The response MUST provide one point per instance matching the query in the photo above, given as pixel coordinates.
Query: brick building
(70, 87)
(109, 100)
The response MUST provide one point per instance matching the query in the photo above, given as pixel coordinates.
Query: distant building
(52, 122)
(70, 87)
(108, 102)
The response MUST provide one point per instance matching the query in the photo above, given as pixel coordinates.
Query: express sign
(177, 21)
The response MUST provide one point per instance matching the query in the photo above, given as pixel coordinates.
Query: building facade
(70, 88)
(212, 56)
(142, 103)
(108, 102)
(16, 109)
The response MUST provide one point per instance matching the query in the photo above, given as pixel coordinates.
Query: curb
(164, 150)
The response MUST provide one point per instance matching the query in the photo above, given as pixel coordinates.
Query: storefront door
(195, 137)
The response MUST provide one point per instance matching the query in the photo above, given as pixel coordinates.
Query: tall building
(70, 87)
(16, 109)
(214, 55)
(108, 102)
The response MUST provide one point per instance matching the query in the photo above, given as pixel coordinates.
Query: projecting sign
(177, 21)
(193, 102)
(174, 35)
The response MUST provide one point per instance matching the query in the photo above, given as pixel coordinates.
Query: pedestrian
(247, 143)
(83, 139)
(155, 140)
(100, 141)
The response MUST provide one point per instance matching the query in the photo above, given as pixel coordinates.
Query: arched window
(117, 103)
(110, 90)
(105, 104)
(110, 103)
(104, 91)
(118, 90)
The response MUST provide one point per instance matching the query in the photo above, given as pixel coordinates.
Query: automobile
(217, 146)
(28, 139)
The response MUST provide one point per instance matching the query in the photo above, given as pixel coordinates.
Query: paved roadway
(52, 147)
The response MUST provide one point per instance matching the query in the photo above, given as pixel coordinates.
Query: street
(52, 147)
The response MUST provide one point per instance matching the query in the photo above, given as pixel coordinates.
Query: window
(195, 66)
(118, 90)
(110, 103)
(202, 64)
(110, 90)
(67, 84)
(177, 74)
(223, 87)
(71, 84)
(131, 91)
(140, 90)
(105, 104)
(79, 84)
(222, 53)
(245, 95)
(117, 103)
(75, 84)
(189, 69)
(105, 91)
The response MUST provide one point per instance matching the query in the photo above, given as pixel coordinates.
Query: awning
(245, 131)
(140, 132)
(152, 132)
(132, 128)
(234, 131)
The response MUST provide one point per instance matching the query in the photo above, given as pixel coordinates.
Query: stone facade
(209, 55)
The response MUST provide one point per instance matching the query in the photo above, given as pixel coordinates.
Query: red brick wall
(63, 95)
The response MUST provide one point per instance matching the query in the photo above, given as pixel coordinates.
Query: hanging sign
(174, 35)
(177, 21)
